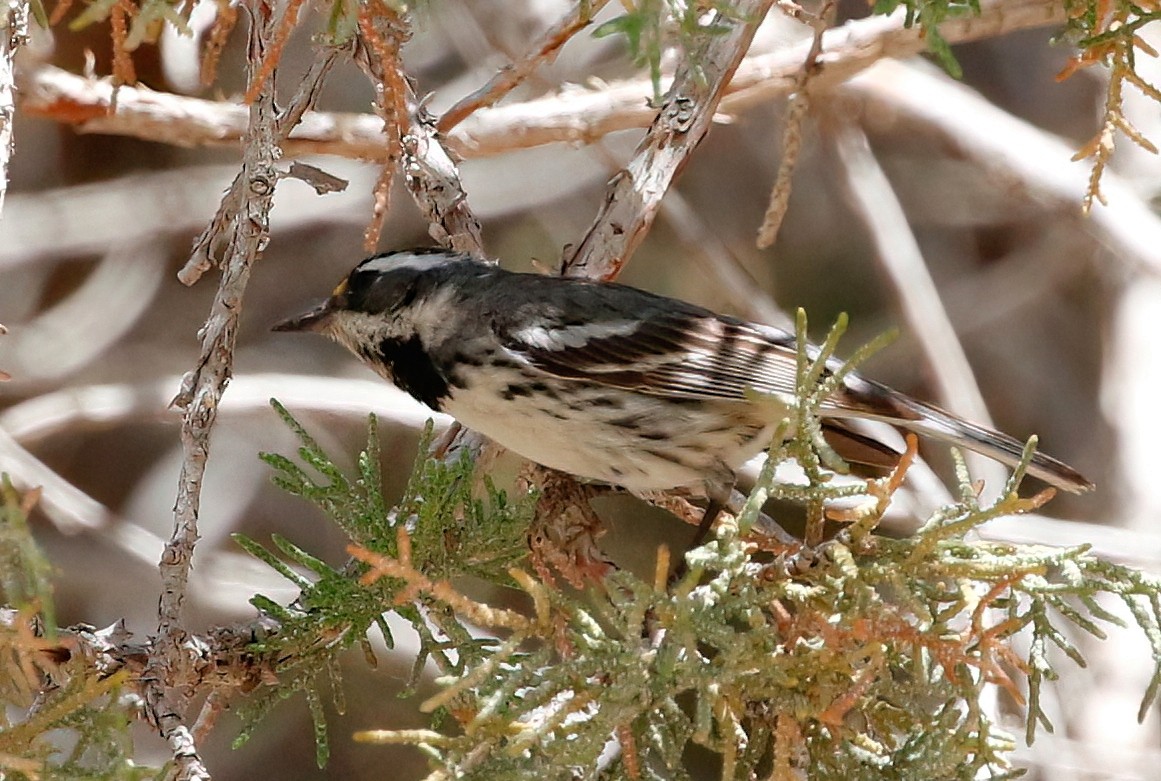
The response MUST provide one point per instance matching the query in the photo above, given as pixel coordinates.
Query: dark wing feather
(668, 354)
(684, 352)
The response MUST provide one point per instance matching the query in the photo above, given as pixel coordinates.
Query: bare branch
(13, 34)
(46, 226)
(711, 254)
(574, 116)
(242, 222)
(84, 325)
(68, 507)
(242, 226)
(101, 406)
(634, 194)
(380, 38)
(1023, 159)
(431, 173)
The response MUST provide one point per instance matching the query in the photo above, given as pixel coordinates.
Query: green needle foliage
(857, 657)
(58, 719)
(456, 527)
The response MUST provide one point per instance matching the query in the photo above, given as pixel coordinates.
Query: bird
(608, 382)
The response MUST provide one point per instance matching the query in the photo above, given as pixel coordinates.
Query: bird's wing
(676, 354)
(686, 352)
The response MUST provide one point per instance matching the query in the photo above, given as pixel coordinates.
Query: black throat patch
(413, 370)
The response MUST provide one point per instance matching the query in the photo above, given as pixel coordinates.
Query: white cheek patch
(433, 319)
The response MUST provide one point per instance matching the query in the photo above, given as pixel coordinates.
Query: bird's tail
(872, 400)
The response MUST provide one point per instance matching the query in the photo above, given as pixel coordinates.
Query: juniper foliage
(860, 656)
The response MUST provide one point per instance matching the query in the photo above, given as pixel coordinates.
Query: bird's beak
(314, 321)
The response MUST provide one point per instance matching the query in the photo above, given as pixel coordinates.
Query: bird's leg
(718, 490)
(718, 494)
(712, 510)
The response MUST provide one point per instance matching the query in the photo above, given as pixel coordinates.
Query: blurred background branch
(575, 115)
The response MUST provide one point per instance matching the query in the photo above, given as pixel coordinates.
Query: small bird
(605, 381)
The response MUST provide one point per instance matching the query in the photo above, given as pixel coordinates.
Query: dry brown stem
(227, 17)
(507, 78)
(792, 131)
(565, 531)
(385, 69)
(241, 228)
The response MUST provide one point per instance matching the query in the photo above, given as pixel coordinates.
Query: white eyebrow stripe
(401, 260)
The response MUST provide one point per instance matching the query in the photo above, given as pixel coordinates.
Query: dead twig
(430, 171)
(1020, 158)
(511, 75)
(380, 60)
(792, 131)
(242, 227)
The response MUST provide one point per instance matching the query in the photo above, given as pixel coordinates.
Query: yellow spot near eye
(340, 289)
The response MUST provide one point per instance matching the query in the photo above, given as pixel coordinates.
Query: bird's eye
(382, 291)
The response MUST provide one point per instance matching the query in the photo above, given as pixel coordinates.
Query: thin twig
(634, 194)
(123, 70)
(242, 222)
(83, 326)
(226, 16)
(792, 131)
(430, 171)
(85, 408)
(64, 223)
(221, 227)
(382, 64)
(70, 509)
(242, 226)
(305, 97)
(273, 53)
(712, 255)
(508, 77)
